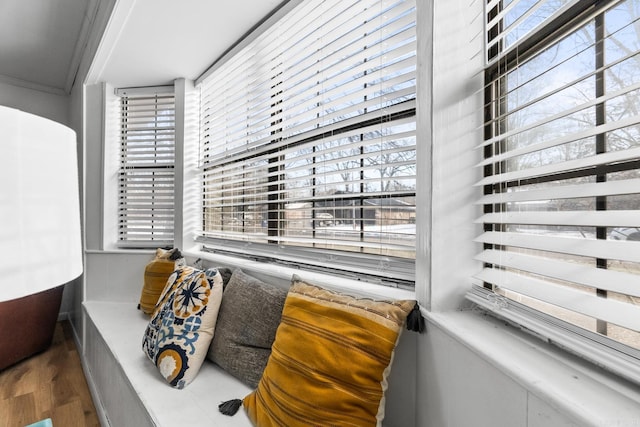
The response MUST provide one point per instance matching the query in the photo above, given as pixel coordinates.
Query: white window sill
(122, 251)
(585, 393)
(337, 283)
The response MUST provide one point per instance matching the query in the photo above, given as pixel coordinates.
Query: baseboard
(95, 395)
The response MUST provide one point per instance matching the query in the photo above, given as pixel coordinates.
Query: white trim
(188, 204)
(93, 389)
(424, 150)
(31, 85)
(119, 252)
(110, 164)
(456, 100)
(145, 90)
(81, 43)
(95, 396)
(118, 17)
(341, 284)
(143, 244)
(589, 346)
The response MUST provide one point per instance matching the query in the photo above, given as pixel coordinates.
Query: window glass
(562, 160)
(308, 138)
(146, 173)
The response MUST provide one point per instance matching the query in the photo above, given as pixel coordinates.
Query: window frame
(386, 270)
(156, 165)
(591, 345)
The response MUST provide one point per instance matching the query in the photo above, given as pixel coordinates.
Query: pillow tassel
(175, 254)
(230, 407)
(415, 321)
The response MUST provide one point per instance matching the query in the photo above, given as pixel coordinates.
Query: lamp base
(27, 325)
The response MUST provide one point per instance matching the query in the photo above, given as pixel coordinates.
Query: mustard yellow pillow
(330, 360)
(156, 274)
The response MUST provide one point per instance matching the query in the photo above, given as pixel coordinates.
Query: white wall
(79, 114)
(76, 120)
(463, 389)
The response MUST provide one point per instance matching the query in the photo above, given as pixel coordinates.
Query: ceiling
(41, 41)
(145, 43)
(152, 42)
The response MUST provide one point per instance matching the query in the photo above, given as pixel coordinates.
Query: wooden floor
(48, 385)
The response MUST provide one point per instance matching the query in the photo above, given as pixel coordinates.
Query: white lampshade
(39, 205)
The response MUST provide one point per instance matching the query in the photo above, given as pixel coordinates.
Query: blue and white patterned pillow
(182, 324)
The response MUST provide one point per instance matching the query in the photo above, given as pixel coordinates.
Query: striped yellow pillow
(330, 360)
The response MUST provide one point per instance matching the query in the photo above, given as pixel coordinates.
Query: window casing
(146, 167)
(308, 141)
(561, 241)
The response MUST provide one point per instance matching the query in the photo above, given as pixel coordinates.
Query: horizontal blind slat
(575, 218)
(576, 136)
(146, 176)
(609, 310)
(608, 249)
(209, 159)
(569, 165)
(610, 188)
(581, 274)
(306, 117)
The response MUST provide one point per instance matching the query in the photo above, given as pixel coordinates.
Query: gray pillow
(226, 273)
(248, 318)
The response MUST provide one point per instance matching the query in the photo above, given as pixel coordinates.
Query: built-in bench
(131, 390)
(128, 389)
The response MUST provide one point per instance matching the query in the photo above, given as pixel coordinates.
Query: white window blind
(561, 241)
(147, 159)
(308, 140)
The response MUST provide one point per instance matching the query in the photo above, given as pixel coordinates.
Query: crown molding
(32, 85)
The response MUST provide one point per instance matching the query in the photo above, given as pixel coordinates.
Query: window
(561, 241)
(308, 141)
(146, 172)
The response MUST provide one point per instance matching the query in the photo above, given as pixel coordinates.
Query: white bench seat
(130, 389)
